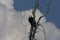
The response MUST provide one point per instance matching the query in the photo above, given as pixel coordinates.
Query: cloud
(7, 3)
(15, 26)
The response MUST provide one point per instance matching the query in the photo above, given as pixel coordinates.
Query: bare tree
(34, 24)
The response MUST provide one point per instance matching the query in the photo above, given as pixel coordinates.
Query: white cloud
(7, 3)
(15, 26)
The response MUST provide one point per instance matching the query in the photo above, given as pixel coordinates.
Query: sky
(54, 12)
(14, 23)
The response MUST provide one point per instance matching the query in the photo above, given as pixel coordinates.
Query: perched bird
(32, 21)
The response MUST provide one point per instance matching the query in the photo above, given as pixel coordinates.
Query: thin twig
(48, 8)
(43, 31)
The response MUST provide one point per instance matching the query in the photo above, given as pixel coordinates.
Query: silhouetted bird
(32, 21)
